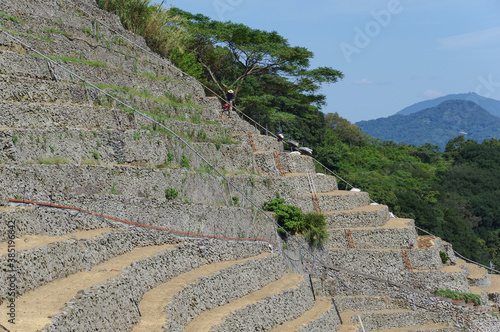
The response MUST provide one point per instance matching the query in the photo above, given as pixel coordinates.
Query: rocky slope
(81, 174)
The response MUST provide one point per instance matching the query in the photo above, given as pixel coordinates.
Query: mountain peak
(490, 105)
(436, 125)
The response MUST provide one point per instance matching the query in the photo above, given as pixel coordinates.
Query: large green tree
(231, 52)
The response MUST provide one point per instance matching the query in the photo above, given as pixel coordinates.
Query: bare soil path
(320, 306)
(34, 309)
(215, 316)
(27, 242)
(153, 303)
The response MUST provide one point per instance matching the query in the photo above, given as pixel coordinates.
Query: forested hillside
(451, 194)
(436, 125)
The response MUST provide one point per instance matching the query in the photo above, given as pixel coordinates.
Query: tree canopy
(231, 52)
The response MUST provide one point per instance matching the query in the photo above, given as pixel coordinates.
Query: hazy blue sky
(393, 53)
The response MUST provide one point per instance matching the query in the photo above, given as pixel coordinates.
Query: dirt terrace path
(27, 242)
(447, 269)
(495, 284)
(152, 306)
(320, 306)
(346, 316)
(34, 308)
(425, 241)
(391, 223)
(7, 208)
(334, 193)
(476, 272)
(349, 327)
(365, 208)
(215, 316)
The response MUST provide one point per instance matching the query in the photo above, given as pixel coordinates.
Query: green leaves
(311, 225)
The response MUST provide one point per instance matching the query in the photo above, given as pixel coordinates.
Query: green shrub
(289, 217)
(171, 193)
(294, 221)
(316, 233)
(185, 162)
(12, 18)
(467, 297)
(444, 257)
(170, 158)
(162, 30)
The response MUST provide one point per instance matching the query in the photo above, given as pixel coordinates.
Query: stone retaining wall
(36, 67)
(369, 261)
(266, 163)
(233, 222)
(113, 304)
(221, 288)
(116, 147)
(42, 265)
(109, 46)
(34, 115)
(481, 282)
(34, 220)
(358, 218)
(41, 182)
(270, 312)
(379, 321)
(22, 89)
(328, 321)
(37, 115)
(261, 142)
(66, 11)
(340, 200)
(263, 188)
(378, 238)
(432, 280)
(367, 303)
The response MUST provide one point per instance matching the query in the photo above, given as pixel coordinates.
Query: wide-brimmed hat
(230, 91)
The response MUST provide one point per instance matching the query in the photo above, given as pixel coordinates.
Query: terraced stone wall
(270, 312)
(221, 288)
(329, 318)
(35, 220)
(45, 182)
(42, 265)
(112, 305)
(374, 238)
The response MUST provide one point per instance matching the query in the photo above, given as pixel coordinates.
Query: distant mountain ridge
(436, 125)
(490, 105)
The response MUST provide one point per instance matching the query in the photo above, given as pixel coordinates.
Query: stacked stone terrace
(64, 142)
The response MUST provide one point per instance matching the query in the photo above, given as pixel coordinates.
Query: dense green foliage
(294, 221)
(452, 194)
(467, 297)
(316, 233)
(289, 217)
(171, 193)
